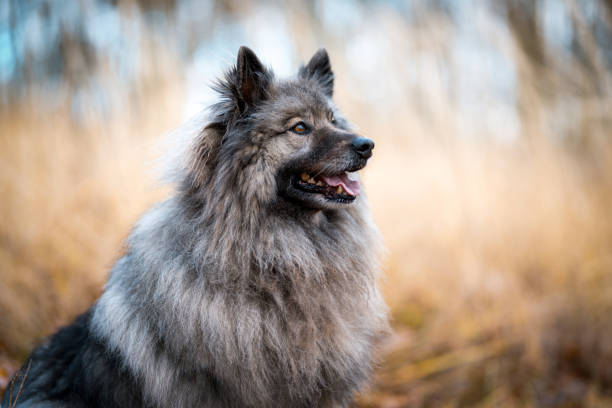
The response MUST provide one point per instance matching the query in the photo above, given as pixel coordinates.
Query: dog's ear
(319, 68)
(251, 80)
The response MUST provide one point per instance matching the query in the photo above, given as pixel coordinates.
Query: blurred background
(491, 180)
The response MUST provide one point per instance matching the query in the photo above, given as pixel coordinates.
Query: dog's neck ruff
(269, 300)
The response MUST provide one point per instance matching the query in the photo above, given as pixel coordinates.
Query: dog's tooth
(319, 183)
(304, 176)
(339, 189)
(311, 180)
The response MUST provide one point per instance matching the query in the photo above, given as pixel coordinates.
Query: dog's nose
(363, 146)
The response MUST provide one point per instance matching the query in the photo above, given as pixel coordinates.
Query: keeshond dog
(254, 285)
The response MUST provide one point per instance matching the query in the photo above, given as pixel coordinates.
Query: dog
(254, 285)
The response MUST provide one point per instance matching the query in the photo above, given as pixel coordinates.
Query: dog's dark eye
(300, 128)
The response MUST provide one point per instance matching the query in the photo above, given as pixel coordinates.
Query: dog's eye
(331, 118)
(300, 128)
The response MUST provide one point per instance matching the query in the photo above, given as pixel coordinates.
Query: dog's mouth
(341, 188)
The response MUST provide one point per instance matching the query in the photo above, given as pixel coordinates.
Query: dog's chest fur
(296, 329)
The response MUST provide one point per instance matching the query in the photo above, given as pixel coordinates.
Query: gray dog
(254, 285)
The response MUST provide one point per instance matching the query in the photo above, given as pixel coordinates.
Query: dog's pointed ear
(319, 68)
(252, 79)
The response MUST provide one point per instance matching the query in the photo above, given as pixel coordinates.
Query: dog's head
(281, 140)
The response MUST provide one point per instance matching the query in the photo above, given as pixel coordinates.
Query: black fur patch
(74, 368)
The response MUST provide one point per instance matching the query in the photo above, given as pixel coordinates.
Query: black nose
(363, 146)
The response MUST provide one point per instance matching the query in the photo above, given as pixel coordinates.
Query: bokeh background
(491, 180)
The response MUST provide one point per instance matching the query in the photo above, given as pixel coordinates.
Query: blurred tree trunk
(594, 83)
(522, 18)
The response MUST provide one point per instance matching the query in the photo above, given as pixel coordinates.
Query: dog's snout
(363, 146)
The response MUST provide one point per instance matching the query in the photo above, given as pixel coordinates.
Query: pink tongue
(350, 186)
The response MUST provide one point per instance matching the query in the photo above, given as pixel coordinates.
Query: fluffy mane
(252, 298)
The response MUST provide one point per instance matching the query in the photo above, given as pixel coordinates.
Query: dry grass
(70, 193)
(499, 276)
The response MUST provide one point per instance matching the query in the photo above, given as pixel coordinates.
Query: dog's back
(74, 369)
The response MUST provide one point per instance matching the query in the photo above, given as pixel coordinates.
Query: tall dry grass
(70, 193)
(499, 276)
(499, 271)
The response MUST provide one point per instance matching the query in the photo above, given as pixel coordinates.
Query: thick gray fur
(233, 292)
